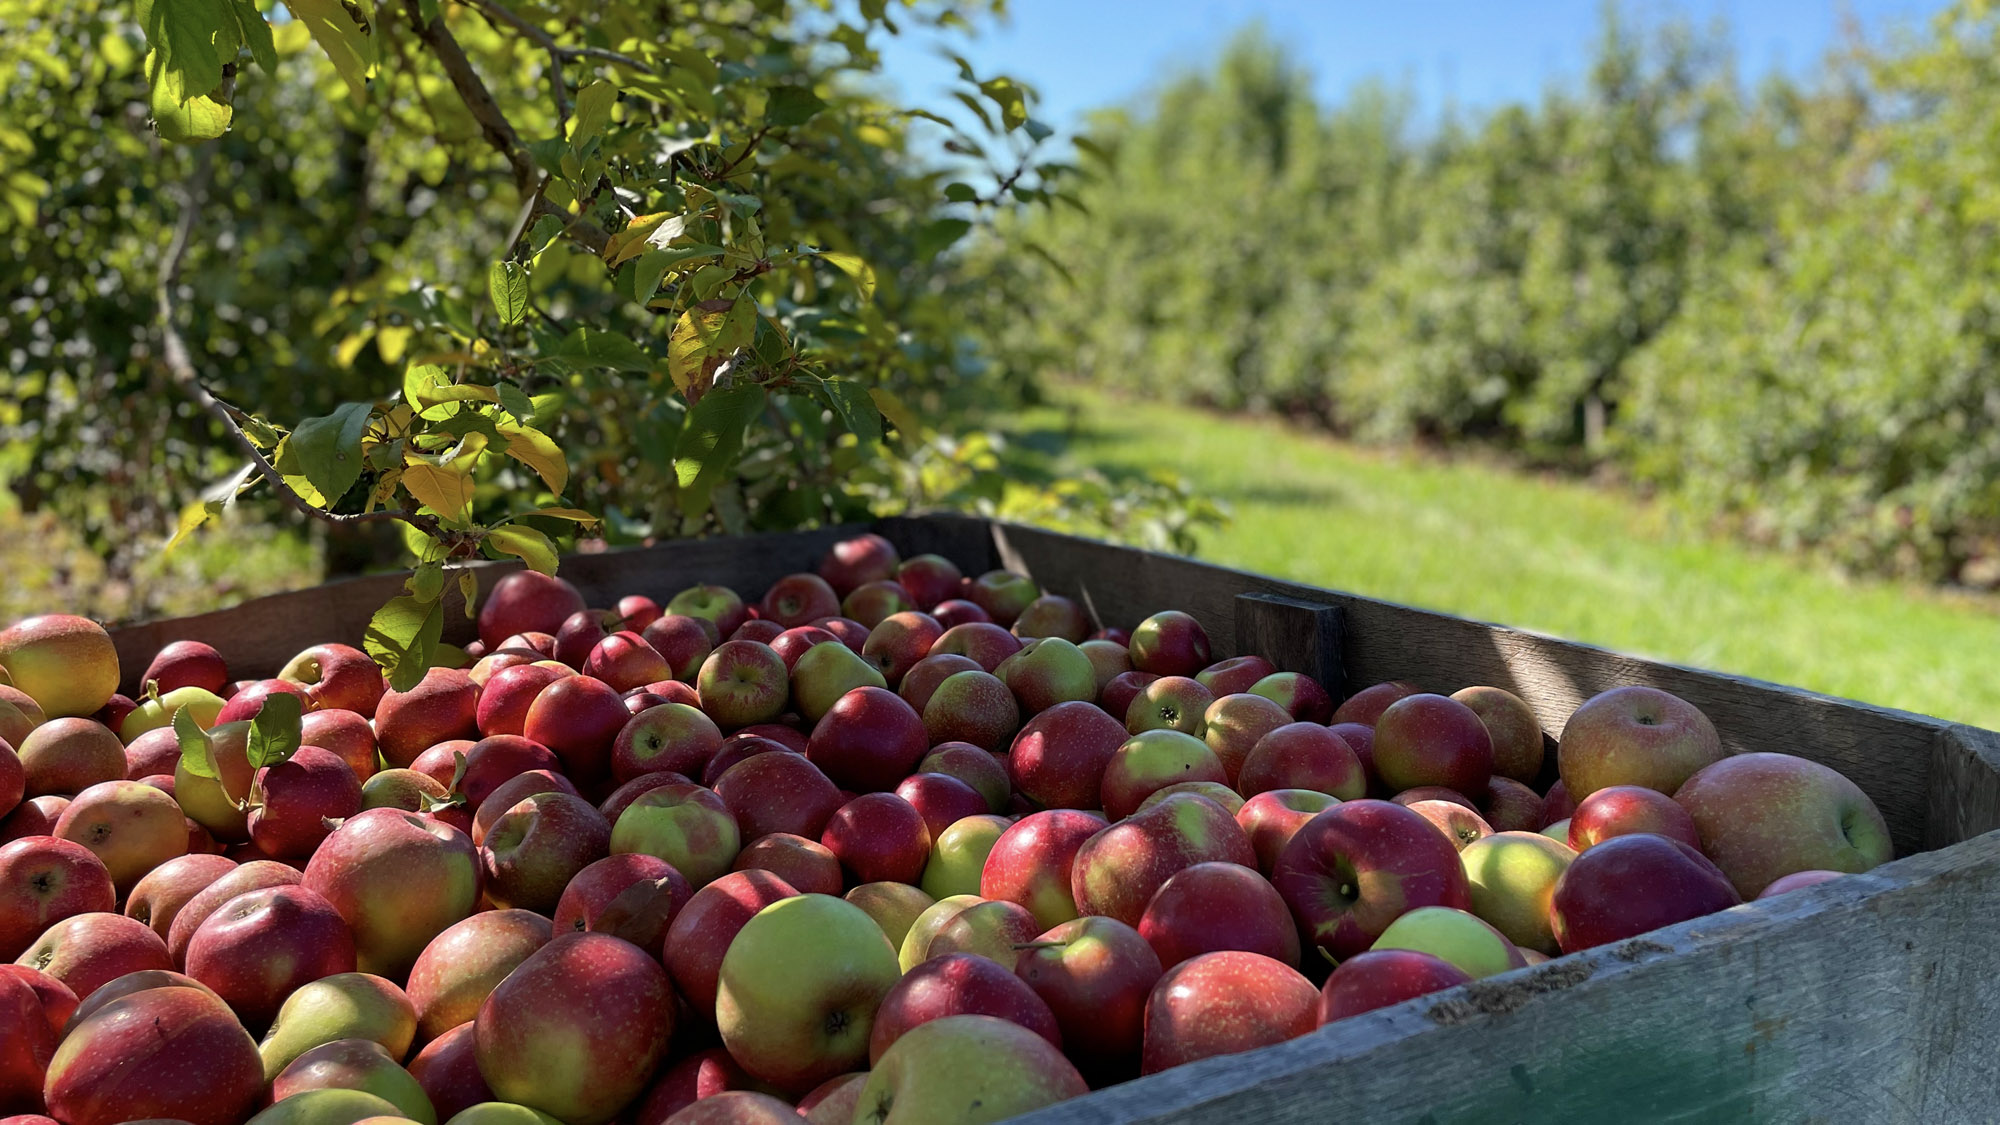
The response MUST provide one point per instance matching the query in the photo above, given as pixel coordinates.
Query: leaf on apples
(197, 750)
(275, 730)
(403, 637)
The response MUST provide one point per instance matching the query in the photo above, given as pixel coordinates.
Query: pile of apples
(888, 845)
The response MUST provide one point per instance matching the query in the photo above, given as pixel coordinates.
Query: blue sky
(1473, 54)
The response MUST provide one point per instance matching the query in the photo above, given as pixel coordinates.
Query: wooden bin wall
(1868, 998)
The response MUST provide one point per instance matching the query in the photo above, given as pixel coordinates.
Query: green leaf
(593, 111)
(426, 582)
(525, 543)
(328, 448)
(938, 235)
(507, 283)
(594, 347)
(190, 40)
(516, 402)
(852, 265)
(792, 105)
(576, 515)
(402, 637)
(274, 730)
(197, 750)
(256, 34)
(710, 441)
(427, 10)
(857, 411)
(1011, 99)
(426, 385)
(181, 116)
(341, 30)
(960, 193)
(1038, 131)
(896, 411)
(711, 330)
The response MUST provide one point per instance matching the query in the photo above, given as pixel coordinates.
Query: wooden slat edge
(1964, 786)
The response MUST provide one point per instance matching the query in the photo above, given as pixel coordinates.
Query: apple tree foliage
(498, 272)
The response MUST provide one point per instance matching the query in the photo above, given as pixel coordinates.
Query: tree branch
(493, 124)
(180, 365)
(495, 11)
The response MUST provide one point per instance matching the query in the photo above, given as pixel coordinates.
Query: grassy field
(1597, 565)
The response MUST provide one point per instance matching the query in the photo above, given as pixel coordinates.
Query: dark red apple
(1354, 868)
(1216, 906)
(1381, 977)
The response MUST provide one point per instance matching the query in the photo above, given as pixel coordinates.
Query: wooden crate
(1871, 998)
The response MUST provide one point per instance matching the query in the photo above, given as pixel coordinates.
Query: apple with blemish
(1152, 760)
(685, 825)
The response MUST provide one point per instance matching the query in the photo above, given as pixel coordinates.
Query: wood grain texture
(1965, 786)
(1868, 998)
(1294, 634)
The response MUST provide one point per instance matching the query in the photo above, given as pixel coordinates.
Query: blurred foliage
(1781, 303)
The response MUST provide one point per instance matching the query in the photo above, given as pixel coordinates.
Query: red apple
(1381, 977)
(1002, 594)
(1169, 643)
(743, 683)
(879, 837)
(1116, 697)
(132, 827)
(156, 751)
(717, 604)
(187, 664)
(778, 793)
(985, 643)
(1152, 760)
(631, 896)
(1432, 740)
(302, 794)
(578, 717)
(1600, 899)
(872, 602)
(1303, 756)
(1033, 861)
(1764, 816)
(807, 865)
(1095, 974)
(1117, 871)
(869, 740)
(1300, 695)
(702, 932)
(44, 880)
(1556, 804)
(493, 761)
(625, 661)
(535, 848)
(1460, 823)
(1222, 1004)
(516, 789)
(735, 749)
(1235, 675)
(1048, 671)
(247, 701)
(1270, 819)
(929, 579)
(958, 984)
(941, 801)
(799, 599)
(1366, 706)
(165, 890)
(793, 643)
(622, 797)
(165, 1054)
(900, 641)
(1058, 759)
(984, 771)
(1634, 735)
(448, 1070)
(336, 677)
(683, 641)
(504, 701)
(526, 601)
(953, 612)
(763, 632)
(922, 680)
(35, 816)
(1216, 906)
(398, 880)
(345, 734)
(248, 876)
(442, 706)
(853, 563)
(461, 966)
(1510, 806)
(1169, 703)
(258, 947)
(1517, 733)
(972, 707)
(670, 738)
(68, 755)
(636, 611)
(1621, 810)
(1053, 615)
(701, 1076)
(1351, 870)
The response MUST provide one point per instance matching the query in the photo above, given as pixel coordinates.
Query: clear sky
(1083, 54)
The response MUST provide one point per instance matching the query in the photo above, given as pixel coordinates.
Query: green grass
(1471, 537)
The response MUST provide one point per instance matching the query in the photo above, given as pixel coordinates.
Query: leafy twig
(548, 43)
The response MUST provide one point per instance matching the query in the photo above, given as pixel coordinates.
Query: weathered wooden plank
(1294, 634)
(1868, 998)
(1964, 786)
(965, 540)
(1887, 752)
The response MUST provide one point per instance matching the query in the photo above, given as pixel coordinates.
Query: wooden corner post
(1295, 635)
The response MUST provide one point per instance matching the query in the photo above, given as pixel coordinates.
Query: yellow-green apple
(345, 1006)
(671, 737)
(1558, 831)
(1351, 870)
(1513, 878)
(1108, 660)
(159, 896)
(1628, 885)
(399, 880)
(1366, 706)
(685, 825)
(1269, 819)
(1222, 1004)
(832, 1102)
(44, 880)
(1634, 735)
(1216, 906)
(336, 676)
(1516, 732)
(519, 788)
(1151, 760)
(247, 701)
(331, 1106)
(255, 949)
(1003, 594)
(631, 896)
(852, 563)
(707, 926)
(922, 680)
(1300, 695)
(526, 601)
(345, 734)
(809, 866)
(1304, 756)
(929, 579)
(1169, 643)
(899, 642)
(154, 712)
(622, 797)
(985, 772)
(19, 714)
(130, 826)
(1764, 816)
(793, 643)
(894, 906)
(941, 800)
(958, 855)
(879, 837)
(442, 706)
(460, 967)
(871, 602)
(795, 1021)
(500, 1113)
(1230, 800)
(155, 752)
(958, 984)
(162, 1054)
(1169, 703)
(405, 789)
(1053, 615)
(35, 816)
(187, 664)
(982, 642)
(1798, 880)
(509, 692)
(738, 747)
(1458, 820)
(625, 661)
(66, 664)
(1233, 724)
(1031, 863)
(448, 1070)
(244, 878)
(356, 1064)
(301, 797)
(1510, 806)
(993, 930)
(1047, 671)
(1382, 977)
(963, 1069)
(1428, 739)
(972, 707)
(757, 629)
(1556, 804)
(868, 739)
(917, 939)
(743, 683)
(698, 1077)
(1236, 675)
(1117, 871)
(1095, 975)
(683, 641)
(536, 847)
(636, 611)
(577, 1029)
(1458, 936)
(1058, 758)
(1620, 810)
(578, 717)
(68, 755)
(720, 605)
(777, 792)
(799, 599)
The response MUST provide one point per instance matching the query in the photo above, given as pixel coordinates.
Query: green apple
(501, 1113)
(958, 855)
(355, 1064)
(917, 940)
(824, 673)
(158, 711)
(327, 1107)
(1046, 672)
(1513, 877)
(797, 1021)
(894, 906)
(965, 1069)
(342, 1006)
(1454, 936)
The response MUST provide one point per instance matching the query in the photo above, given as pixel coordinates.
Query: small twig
(749, 150)
(999, 193)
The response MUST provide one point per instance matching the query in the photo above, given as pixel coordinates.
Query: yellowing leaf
(192, 517)
(531, 546)
(852, 265)
(638, 234)
(439, 485)
(896, 411)
(341, 31)
(577, 515)
(538, 451)
(709, 331)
